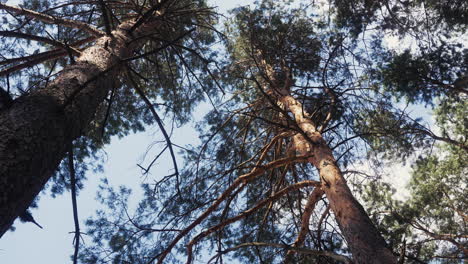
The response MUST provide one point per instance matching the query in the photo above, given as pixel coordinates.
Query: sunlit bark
(364, 240)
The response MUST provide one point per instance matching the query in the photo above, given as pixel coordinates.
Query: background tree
(431, 71)
(283, 48)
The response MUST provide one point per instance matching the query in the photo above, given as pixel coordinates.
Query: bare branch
(160, 124)
(299, 250)
(71, 168)
(36, 59)
(247, 213)
(309, 208)
(256, 171)
(53, 20)
(52, 42)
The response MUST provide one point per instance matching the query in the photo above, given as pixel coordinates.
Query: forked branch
(247, 213)
(256, 171)
(314, 197)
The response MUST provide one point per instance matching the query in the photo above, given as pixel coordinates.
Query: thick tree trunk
(36, 131)
(364, 240)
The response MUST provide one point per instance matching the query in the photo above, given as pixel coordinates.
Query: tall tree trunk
(364, 240)
(36, 131)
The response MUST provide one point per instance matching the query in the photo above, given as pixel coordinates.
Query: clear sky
(53, 244)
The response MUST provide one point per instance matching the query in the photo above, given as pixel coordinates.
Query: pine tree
(301, 92)
(71, 74)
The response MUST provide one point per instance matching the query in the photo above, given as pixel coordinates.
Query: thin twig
(299, 250)
(256, 171)
(71, 168)
(160, 124)
(247, 213)
(314, 197)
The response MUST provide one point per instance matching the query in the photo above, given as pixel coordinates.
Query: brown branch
(32, 61)
(36, 59)
(445, 237)
(52, 19)
(314, 197)
(299, 250)
(48, 53)
(256, 171)
(247, 213)
(319, 230)
(6, 33)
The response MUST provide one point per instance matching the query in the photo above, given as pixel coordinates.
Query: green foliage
(406, 17)
(391, 133)
(454, 13)
(424, 77)
(435, 210)
(348, 83)
(452, 118)
(355, 15)
(432, 221)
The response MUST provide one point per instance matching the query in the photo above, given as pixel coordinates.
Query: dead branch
(76, 240)
(314, 197)
(299, 250)
(35, 59)
(53, 20)
(256, 171)
(6, 33)
(247, 213)
(160, 124)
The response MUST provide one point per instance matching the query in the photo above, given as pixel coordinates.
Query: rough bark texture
(364, 240)
(37, 129)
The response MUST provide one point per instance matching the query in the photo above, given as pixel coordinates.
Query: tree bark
(364, 240)
(37, 130)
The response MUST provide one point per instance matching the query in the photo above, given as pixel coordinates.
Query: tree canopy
(310, 104)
